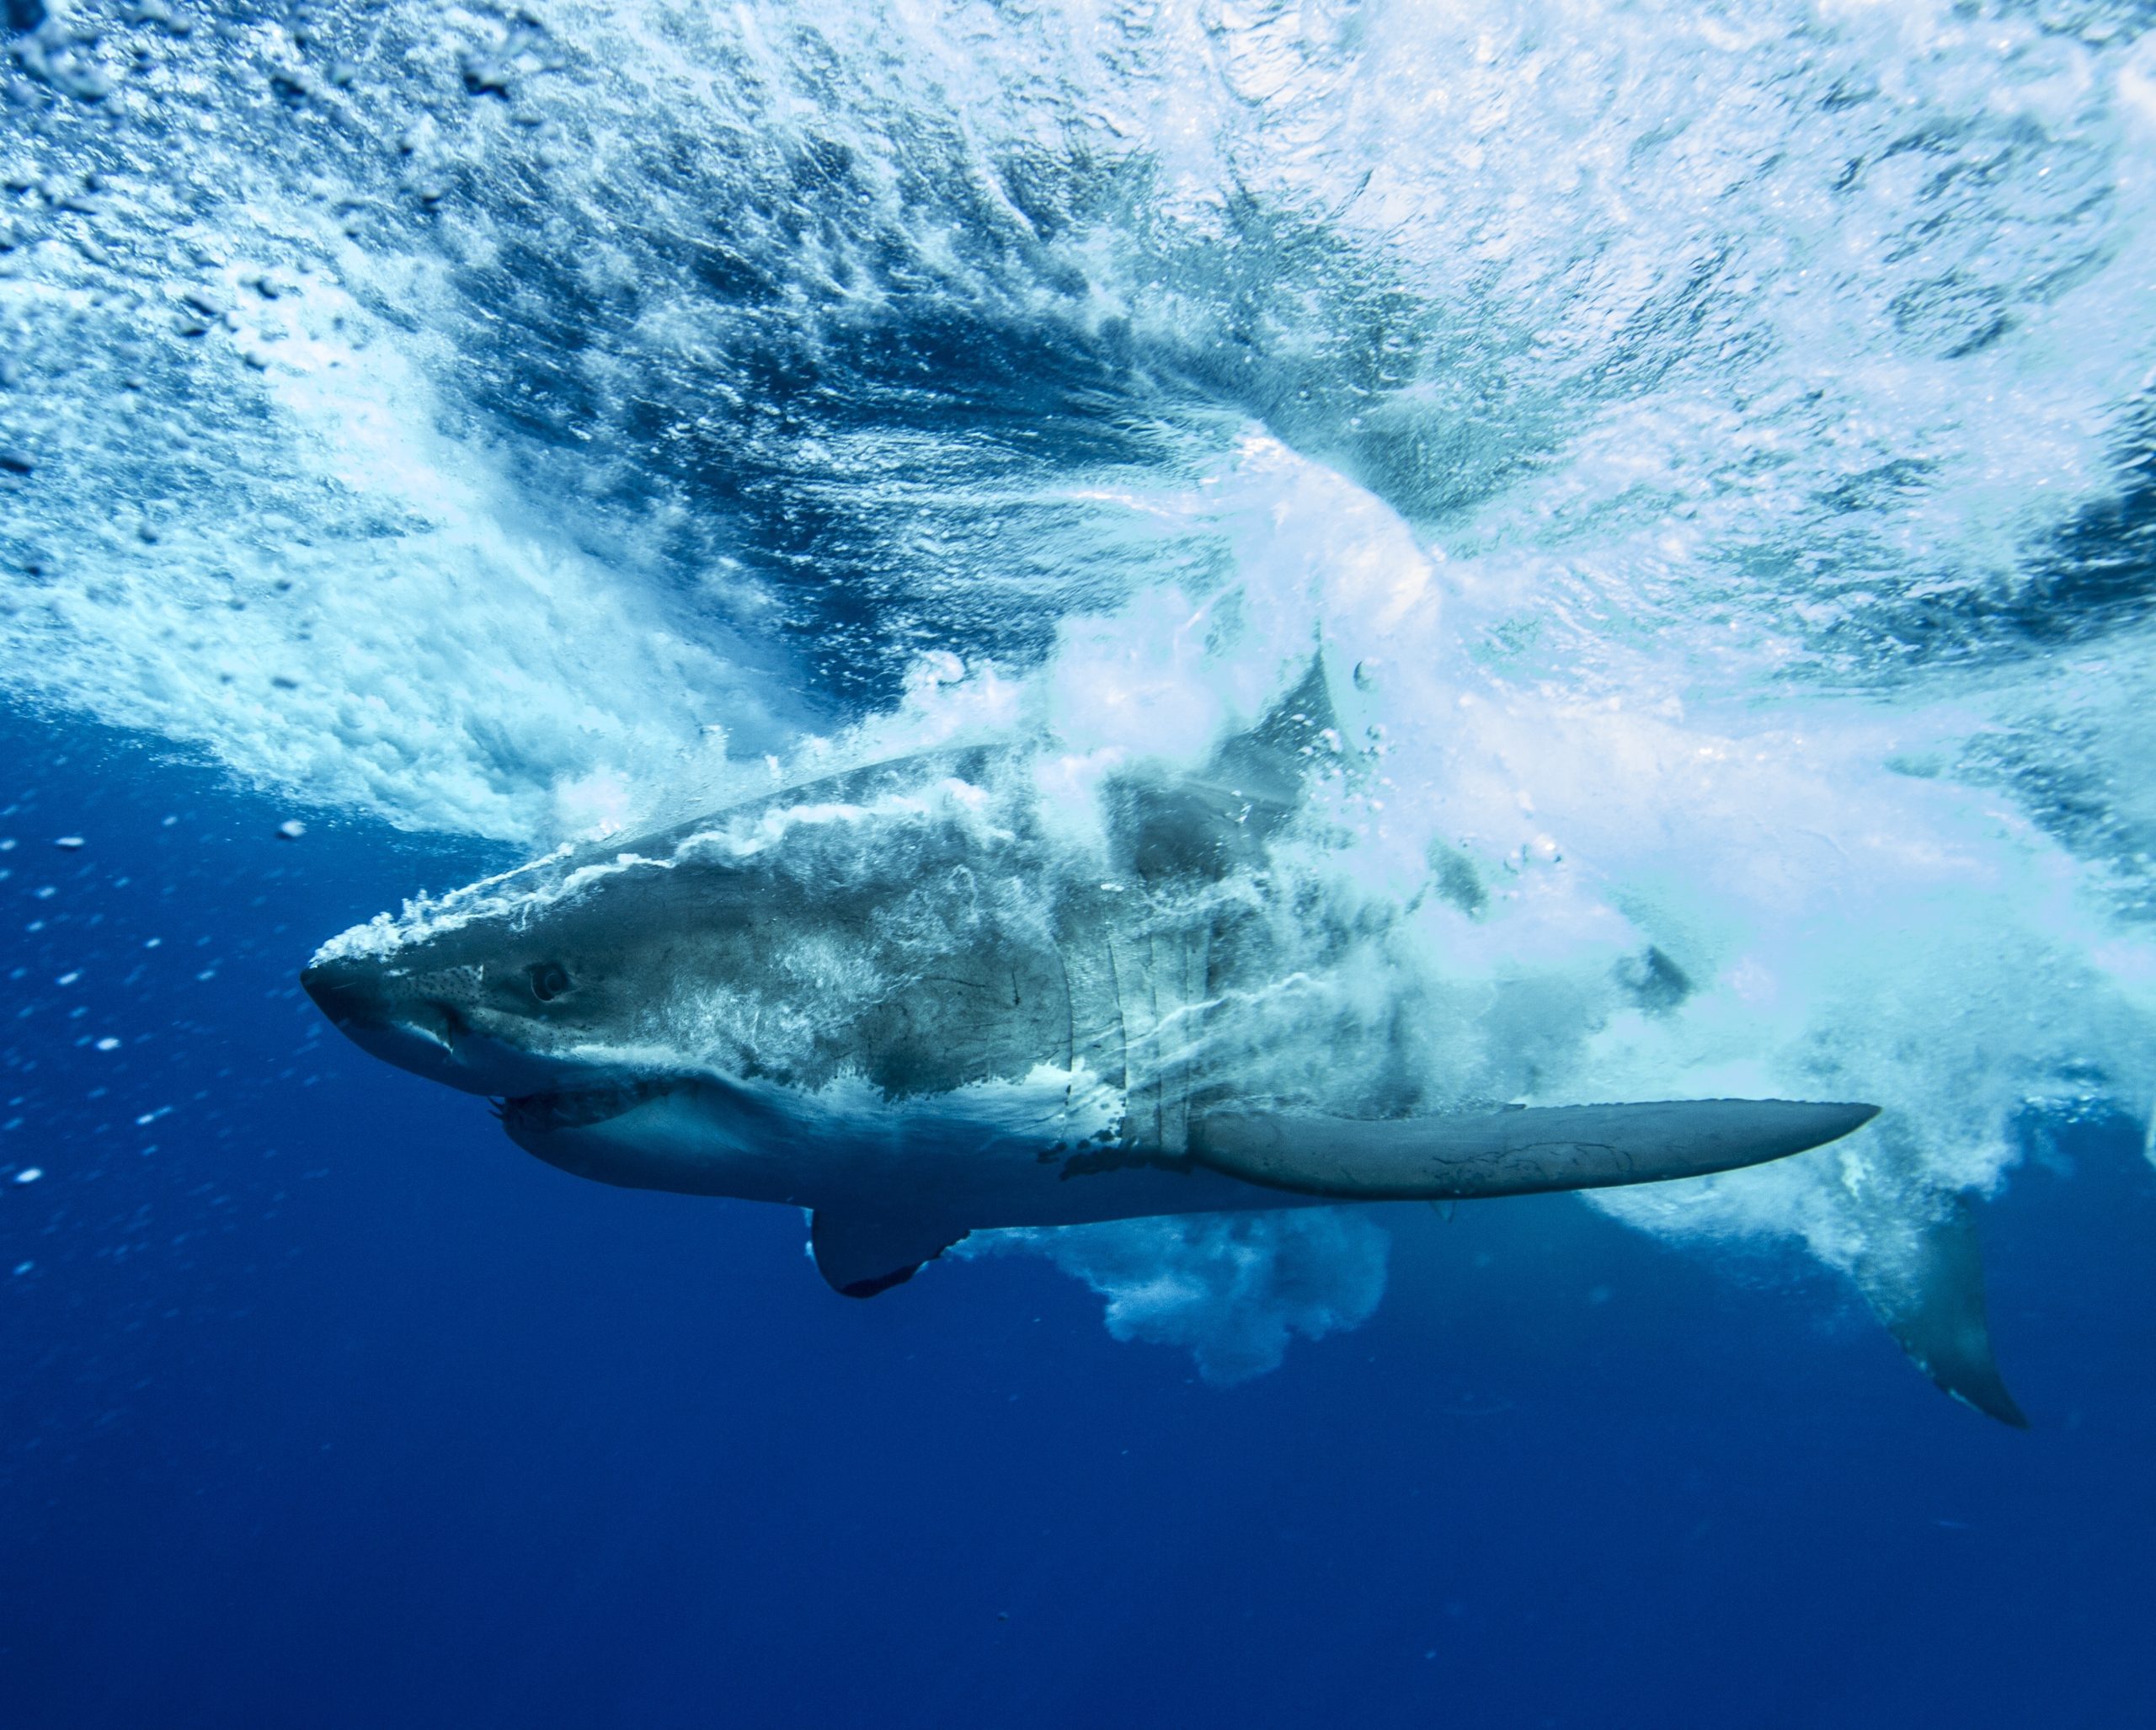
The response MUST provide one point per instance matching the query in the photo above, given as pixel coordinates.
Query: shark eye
(549, 980)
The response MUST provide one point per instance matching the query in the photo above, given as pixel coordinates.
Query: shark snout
(365, 1003)
(398, 1026)
(394, 1016)
(344, 992)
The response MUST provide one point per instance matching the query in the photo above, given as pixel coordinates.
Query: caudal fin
(1923, 1274)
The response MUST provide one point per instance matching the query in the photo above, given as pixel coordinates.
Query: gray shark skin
(904, 998)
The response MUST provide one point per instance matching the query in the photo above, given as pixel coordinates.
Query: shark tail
(1923, 1274)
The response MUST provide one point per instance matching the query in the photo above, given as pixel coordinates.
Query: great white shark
(906, 998)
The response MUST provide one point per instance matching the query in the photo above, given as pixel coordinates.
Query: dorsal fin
(1299, 735)
(1210, 822)
(1923, 1274)
(860, 1255)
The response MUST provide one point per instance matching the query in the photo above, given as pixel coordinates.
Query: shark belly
(1013, 1155)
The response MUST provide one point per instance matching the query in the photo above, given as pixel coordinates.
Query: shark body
(904, 998)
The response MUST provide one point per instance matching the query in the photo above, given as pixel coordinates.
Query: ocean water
(1714, 450)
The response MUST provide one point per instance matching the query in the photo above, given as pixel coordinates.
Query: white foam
(1230, 1289)
(528, 891)
(377, 625)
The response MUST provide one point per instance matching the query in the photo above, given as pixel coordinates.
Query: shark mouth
(577, 1107)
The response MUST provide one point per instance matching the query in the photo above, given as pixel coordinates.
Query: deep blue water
(1710, 449)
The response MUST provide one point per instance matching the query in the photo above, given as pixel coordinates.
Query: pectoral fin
(860, 1254)
(1923, 1277)
(1516, 1152)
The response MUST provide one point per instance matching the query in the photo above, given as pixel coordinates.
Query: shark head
(747, 943)
(542, 991)
(783, 938)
